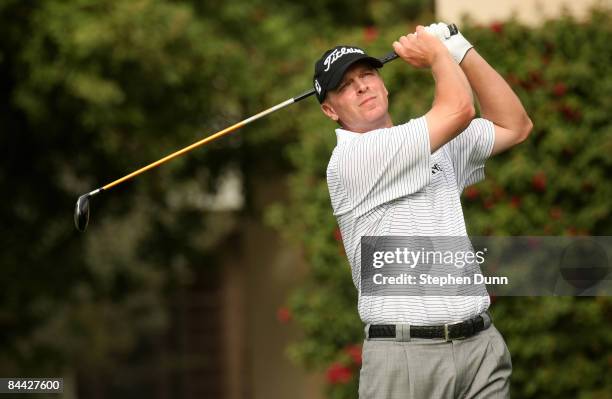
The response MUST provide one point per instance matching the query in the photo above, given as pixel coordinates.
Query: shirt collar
(345, 136)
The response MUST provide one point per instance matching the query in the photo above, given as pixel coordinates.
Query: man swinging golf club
(405, 179)
(82, 206)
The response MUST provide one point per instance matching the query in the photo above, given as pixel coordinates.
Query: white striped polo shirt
(386, 182)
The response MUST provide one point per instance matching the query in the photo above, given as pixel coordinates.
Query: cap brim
(336, 78)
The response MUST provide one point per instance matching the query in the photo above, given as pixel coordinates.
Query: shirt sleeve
(469, 151)
(385, 164)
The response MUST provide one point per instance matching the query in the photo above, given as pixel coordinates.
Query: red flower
(488, 204)
(556, 213)
(283, 315)
(370, 33)
(571, 114)
(587, 187)
(512, 79)
(571, 231)
(337, 235)
(533, 81)
(471, 193)
(539, 181)
(497, 27)
(559, 89)
(337, 373)
(354, 351)
(536, 78)
(515, 201)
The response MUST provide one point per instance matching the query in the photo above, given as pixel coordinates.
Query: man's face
(359, 103)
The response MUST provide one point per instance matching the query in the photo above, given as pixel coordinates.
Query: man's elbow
(470, 112)
(524, 130)
(466, 113)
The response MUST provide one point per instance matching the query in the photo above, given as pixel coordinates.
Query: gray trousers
(419, 368)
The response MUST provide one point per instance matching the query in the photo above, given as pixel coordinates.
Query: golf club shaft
(387, 58)
(202, 142)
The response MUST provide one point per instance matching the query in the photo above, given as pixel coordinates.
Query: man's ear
(329, 111)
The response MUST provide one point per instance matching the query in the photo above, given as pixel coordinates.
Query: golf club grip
(304, 95)
(391, 56)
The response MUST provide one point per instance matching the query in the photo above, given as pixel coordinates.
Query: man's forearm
(497, 100)
(453, 106)
(452, 86)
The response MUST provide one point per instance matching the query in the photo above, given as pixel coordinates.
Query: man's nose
(361, 85)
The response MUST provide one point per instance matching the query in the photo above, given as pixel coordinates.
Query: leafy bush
(556, 183)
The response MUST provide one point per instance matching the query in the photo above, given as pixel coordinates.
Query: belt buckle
(446, 338)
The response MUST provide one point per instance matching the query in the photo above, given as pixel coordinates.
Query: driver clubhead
(81, 213)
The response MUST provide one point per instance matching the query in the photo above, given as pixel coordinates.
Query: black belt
(462, 329)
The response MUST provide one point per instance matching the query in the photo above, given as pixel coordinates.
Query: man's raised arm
(498, 103)
(453, 106)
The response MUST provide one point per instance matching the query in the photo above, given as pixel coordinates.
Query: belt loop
(402, 332)
(367, 332)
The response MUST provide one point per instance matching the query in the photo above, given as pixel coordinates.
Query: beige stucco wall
(260, 272)
(527, 11)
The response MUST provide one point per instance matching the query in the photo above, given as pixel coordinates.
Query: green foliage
(555, 183)
(91, 90)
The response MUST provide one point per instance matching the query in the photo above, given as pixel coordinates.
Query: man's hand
(457, 45)
(419, 49)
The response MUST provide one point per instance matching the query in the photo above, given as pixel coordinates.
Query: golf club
(81, 210)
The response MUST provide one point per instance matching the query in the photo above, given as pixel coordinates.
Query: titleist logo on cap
(337, 53)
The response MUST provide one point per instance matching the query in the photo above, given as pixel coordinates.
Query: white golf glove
(457, 45)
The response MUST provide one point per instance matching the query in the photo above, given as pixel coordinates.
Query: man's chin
(377, 117)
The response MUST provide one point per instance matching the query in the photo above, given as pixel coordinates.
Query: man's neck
(385, 122)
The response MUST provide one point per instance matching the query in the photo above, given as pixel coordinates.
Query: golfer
(405, 179)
